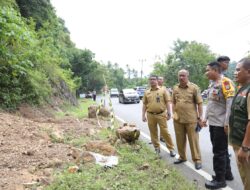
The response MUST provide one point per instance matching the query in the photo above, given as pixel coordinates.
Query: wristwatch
(245, 148)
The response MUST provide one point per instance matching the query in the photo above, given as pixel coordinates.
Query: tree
(192, 56)
(40, 11)
(128, 71)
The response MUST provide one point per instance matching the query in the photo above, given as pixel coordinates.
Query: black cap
(223, 58)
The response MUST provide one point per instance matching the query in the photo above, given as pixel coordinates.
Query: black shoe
(198, 165)
(228, 177)
(172, 153)
(214, 184)
(162, 139)
(179, 161)
(150, 142)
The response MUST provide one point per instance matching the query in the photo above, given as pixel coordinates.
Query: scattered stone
(145, 166)
(44, 181)
(32, 169)
(101, 147)
(92, 111)
(29, 152)
(30, 184)
(73, 169)
(55, 163)
(50, 145)
(82, 157)
(128, 132)
(31, 148)
(47, 171)
(57, 135)
(104, 112)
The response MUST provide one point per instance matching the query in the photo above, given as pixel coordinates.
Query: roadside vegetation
(79, 111)
(40, 65)
(138, 167)
(39, 61)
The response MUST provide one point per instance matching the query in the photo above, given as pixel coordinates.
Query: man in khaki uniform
(160, 84)
(187, 110)
(155, 103)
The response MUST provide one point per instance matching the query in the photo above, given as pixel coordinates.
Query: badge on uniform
(157, 98)
(243, 94)
(215, 94)
(227, 85)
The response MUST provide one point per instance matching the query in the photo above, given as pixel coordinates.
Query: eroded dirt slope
(28, 151)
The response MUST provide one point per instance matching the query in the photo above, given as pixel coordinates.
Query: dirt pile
(32, 147)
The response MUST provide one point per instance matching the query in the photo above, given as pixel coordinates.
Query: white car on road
(114, 92)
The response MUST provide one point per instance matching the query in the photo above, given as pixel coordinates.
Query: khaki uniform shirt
(156, 100)
(185, 102)
(164, 87)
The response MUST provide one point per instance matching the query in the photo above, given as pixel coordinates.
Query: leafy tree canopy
(192, 56)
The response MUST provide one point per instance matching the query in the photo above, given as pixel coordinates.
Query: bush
(29, 62)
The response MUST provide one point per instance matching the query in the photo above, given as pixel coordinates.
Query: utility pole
(142, 60)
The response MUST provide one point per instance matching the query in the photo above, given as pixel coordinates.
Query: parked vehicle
(129, 96)
(140, 90)
(88, 95)
(114, 92)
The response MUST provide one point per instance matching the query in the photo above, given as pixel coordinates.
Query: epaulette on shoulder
(175, 86)
(195, 85)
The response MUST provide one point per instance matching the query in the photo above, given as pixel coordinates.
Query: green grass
(127, 175)
(79, 111)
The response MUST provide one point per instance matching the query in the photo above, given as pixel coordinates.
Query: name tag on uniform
(215, 94)
(158, 98)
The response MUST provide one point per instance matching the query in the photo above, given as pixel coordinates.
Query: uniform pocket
(237, 133)
(189, 98)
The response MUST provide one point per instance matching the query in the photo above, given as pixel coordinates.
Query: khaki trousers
(182, 131)
(161, 120)
(244, 169)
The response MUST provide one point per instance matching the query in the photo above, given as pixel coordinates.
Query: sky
(138, 32)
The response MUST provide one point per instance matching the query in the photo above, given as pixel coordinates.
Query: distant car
(129, 96)
(114, 92)
(88, 95)
(140, 90)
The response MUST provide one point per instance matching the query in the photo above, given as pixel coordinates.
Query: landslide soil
(28, 153)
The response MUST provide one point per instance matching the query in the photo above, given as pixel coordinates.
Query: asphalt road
(132, 113)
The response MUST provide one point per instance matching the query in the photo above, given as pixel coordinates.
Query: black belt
(155, 113)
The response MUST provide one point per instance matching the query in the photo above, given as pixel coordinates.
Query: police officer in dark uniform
(220, 96)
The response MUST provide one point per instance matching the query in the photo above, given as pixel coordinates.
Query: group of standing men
(226, 111)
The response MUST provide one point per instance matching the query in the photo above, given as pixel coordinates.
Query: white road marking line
(187, 163)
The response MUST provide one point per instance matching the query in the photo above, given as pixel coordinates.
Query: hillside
(32, 145)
